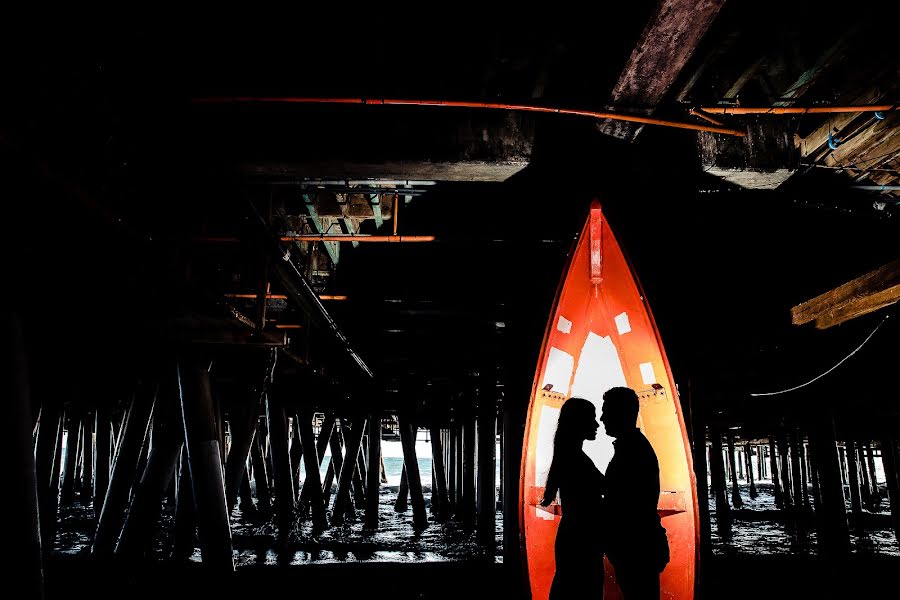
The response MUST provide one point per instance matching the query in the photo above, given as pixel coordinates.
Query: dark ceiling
(113, 172)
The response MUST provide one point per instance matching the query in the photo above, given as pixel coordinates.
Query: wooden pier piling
(410, 462)
(440, 477)
(134, 432)
(146, 507)
(373, 475)
(736, 500)
(203, 446)
(717, 473)
(282, 478)
(353, 439)
(834, 535)
(312, 459)
(25, 563)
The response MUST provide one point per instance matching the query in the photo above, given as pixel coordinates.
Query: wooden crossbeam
(664, 48)
(870, 292)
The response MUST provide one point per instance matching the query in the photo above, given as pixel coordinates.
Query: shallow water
(759, 528)
(256, 543)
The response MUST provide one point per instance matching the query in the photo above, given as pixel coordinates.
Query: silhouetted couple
(615, 514)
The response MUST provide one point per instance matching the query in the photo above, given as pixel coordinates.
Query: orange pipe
(796, 110)
(455, 104)
(396, 211)
(699, 113)
(357, 238)
(280, 297)
(288, 326)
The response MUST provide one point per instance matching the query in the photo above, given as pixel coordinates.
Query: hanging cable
(802, 385)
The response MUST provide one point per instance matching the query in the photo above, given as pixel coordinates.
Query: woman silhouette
(579, 542)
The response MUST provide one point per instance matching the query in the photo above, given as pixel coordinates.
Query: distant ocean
(393, 463)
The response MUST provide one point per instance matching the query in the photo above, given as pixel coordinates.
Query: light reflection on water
(760, 529)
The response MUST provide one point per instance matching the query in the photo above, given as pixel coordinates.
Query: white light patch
(544, 452)
(599, 369)
(647, 373)
(563, 324)
(543, 514)
(559, 370)
(622, 323)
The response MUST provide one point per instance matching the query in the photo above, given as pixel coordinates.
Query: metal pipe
(396, 212)
(699, 113)
(356, 238)
(282, 296)
(456, 104)
(795, 110)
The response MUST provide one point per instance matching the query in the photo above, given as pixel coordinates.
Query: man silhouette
(637, 546)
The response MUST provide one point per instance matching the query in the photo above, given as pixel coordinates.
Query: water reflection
(760, 528)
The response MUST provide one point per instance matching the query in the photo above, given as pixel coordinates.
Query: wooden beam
(664, 48)
(873, 139)
(864, 294)
(465, 171)
(861, 307)
(814, 142)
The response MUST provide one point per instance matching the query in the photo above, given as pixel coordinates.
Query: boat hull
(601, 334)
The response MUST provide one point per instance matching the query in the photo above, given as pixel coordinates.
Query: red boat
(601, 334)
